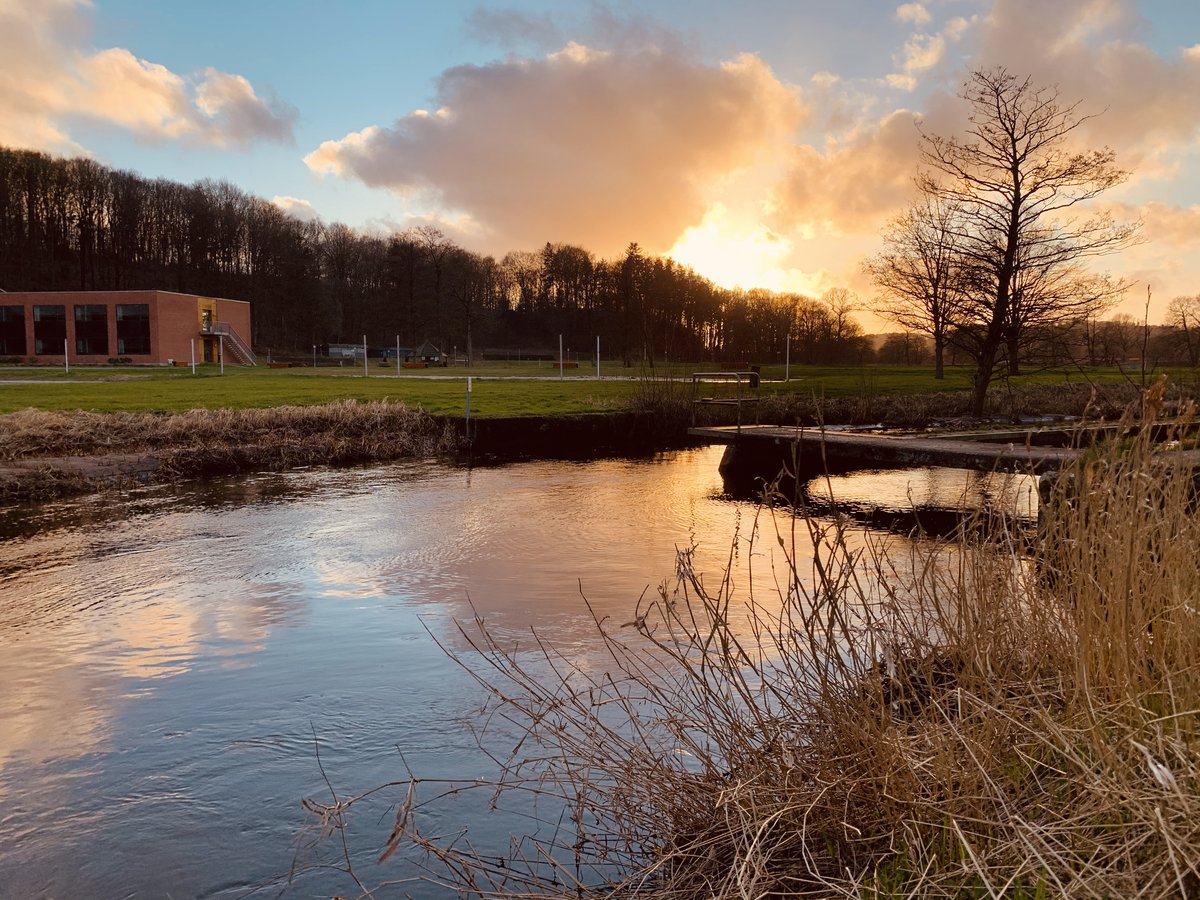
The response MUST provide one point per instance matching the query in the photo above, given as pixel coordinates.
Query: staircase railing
(230, 338)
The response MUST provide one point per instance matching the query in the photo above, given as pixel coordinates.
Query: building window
(49, 330)
(133, 329)
(91, 330)
(12, 331)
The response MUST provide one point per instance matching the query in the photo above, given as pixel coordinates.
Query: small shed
(428, 354)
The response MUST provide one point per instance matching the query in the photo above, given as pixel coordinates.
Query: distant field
(499, 389)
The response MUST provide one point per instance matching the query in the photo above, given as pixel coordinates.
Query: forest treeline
(73, 224)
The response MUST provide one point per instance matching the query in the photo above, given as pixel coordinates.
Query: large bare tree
(1016, 181)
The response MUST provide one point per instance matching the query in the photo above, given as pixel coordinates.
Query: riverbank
(46, 454)
(55, 454)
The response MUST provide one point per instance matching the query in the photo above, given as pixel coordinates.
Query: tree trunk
(983, 378)
(939, 356)
(1014, 355)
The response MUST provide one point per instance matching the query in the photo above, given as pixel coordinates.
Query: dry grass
(52, 454)
(349, 425)
(952, 719)
(348, 429)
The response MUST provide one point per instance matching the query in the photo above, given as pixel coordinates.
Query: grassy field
(498, 389)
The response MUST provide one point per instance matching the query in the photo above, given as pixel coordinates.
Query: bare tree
(1183, 318)
(436, 248)
(1016, 181)
(918, 271)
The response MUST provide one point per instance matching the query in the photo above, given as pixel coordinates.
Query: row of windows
(91, 330)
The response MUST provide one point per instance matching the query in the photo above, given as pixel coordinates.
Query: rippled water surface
(171, 659)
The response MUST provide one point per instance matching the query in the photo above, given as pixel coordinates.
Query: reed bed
(957, 718)
(347, 428)
(44, 455)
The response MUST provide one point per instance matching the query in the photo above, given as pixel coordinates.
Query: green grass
(499, 388)
(177, 390)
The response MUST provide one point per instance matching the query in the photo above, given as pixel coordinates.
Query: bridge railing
(744, 390)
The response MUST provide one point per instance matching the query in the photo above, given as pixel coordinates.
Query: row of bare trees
(74, 224)
(995, 254)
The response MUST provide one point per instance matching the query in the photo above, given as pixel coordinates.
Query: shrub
(941, 719)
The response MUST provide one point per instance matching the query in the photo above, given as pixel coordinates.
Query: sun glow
(741, 256)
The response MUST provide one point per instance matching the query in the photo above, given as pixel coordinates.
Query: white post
(366, 374)
(397, 356)
(787, 360)
(221, 351)
(193, 356)
(468, 398)
(314, 356)
(560, 361)
(66, 357)
(597, 357)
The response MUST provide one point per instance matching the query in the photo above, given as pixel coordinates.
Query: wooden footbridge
(764, 449)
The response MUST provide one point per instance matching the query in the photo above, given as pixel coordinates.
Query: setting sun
(741, 255)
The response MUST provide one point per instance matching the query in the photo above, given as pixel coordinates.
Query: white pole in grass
(468, 399)
(597, 357)
(397, 356)
(560, 364)
(366, 374)
(66, 358)
(193, 356)
(221, 351)
(787, 360)
(314, 356)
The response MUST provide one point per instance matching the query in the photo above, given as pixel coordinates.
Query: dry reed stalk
(951, 719)
(363, 429)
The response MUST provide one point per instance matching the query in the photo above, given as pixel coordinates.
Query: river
(181, 665)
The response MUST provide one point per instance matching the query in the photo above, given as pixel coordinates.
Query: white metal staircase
(237, 347)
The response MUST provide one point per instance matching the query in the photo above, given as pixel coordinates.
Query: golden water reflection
(289, 595)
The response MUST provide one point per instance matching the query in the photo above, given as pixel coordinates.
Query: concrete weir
(762, 451)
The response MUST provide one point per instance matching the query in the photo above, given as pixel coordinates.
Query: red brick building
(92, 327)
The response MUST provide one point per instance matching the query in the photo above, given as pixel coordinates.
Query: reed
(346, 426)
(955, 718)
(55, 454)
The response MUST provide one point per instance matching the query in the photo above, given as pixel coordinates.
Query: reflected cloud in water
(190, 638)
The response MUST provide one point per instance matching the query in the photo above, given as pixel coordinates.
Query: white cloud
(296, 207)
(51, 77)
(913, 13)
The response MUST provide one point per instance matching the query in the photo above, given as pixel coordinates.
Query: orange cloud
(597, 147)
(856, 182)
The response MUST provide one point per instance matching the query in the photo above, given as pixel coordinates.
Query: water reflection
(170, 653)
(930, 501)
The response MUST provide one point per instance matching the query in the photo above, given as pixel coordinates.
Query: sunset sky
(765, 143)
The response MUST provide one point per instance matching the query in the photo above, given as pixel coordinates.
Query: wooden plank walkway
(840, 447)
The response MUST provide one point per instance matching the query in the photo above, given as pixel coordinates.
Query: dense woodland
(68, 224)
